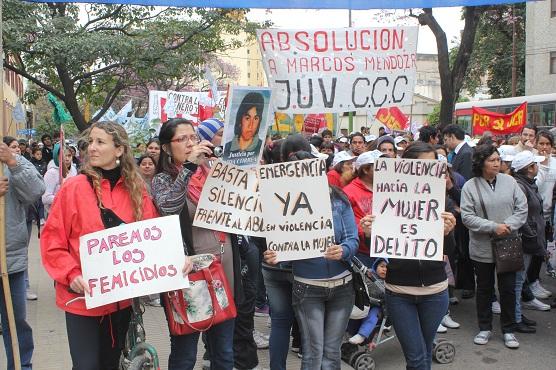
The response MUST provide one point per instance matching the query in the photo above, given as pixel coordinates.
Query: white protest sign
(338, 70)
(230, 201)
(164, 105)
(408, 199)
(132, 260)
(296, 208)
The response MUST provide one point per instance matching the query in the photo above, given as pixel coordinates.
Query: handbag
(207, 302)
(507, 250)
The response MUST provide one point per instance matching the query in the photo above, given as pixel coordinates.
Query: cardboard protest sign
(408, 199)
(339, 70)
(164, 105)
(247, 119)
(230, 201)
(296, 208)
(132, 260)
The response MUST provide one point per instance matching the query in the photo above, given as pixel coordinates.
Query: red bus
(541, 109)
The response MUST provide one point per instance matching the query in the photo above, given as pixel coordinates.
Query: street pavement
(537, 351)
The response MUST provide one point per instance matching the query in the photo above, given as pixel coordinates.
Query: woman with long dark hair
(183, 153)
(322, 296)
(416, 290)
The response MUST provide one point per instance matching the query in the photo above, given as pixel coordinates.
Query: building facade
(540, 48)
(13, 93)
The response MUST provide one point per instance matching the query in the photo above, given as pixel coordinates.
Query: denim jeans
(24, 331)
(183, 348)
(322, 314)
(520, 286)
(415, 320)
(279, 287)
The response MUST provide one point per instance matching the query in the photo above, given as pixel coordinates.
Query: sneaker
(448, 322)
(496, 308)
(543, 289)
(32, 296)
(482, 338)
(538, 291)
(510, 341)
(528, 321)
(42, 222)
(154, 302)
(357, 339)
(535, 304)
(454, 300)
(261, 311)
(441, 329)
(260, 339)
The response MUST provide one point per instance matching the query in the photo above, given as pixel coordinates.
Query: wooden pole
(3, 258)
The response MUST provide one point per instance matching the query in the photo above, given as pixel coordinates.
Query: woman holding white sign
(183, 153)
(322, 296)
(109, 181)
(416, 290)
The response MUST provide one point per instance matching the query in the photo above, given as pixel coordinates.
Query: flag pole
(3, 258)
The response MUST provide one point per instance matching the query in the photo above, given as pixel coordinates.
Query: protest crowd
(493, 191)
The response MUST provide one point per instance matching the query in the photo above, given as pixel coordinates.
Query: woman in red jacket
(109, 182)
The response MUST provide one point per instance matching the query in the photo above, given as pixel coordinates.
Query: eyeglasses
(183, 138)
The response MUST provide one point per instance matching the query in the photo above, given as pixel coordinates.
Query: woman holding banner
(416, 290)
(110, 184)
(176, 189)
(322, 296)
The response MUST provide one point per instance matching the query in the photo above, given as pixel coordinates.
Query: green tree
(433, 118)
(492, 55)
(94, 52)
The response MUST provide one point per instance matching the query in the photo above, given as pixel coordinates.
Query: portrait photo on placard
(247, 119)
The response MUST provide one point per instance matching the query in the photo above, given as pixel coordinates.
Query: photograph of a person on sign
(249, 119)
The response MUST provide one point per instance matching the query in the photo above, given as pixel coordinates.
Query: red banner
(498, 123)
(393, 118)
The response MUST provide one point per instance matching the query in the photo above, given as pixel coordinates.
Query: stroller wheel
(364, 362)
(444, 352)
(349, 351)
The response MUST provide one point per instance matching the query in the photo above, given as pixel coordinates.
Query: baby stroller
(359, 356)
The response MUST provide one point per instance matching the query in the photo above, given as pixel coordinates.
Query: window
(248, 51)
(553, 61)
(553, 8)
(248, 75)
(248, 63)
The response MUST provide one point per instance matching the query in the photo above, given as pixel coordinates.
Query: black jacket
(462, 161)
(533, 231)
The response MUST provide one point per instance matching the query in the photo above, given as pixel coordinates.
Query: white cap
(399, 139)
(507, 152)
(370, 138)
(343, 139)
(367, 158)
(341, 157)
(315, 152)
(524, 159)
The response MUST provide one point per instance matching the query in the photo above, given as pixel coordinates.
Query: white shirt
(459, 147)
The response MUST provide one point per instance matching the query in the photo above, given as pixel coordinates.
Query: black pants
(534, 269)
(97, 342)
(485, 290)
(464, 274)
(245, 348)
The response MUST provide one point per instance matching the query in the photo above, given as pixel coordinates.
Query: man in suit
(463, 154)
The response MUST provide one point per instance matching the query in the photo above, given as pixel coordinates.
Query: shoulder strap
(186, 230)
(475, 181)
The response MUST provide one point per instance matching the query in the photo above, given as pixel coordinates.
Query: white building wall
(540, 42)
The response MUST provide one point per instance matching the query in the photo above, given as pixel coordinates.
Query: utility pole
(514, 52)
(3, 258)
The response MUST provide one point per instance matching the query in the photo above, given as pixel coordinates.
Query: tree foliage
(452, 72)
(492, 55)
(94, 52)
